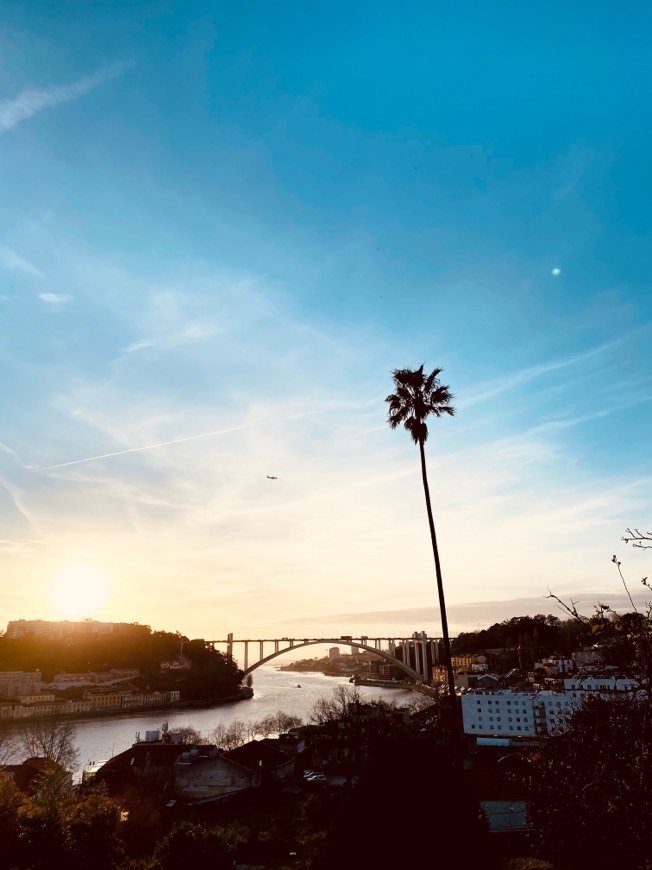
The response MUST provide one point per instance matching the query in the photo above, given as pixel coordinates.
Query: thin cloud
(29, 102)
(526, 375)
(4, 448)
(137, 345)
(13, 261)
(178, 440)
(55, 298)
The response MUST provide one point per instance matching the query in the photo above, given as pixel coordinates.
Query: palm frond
(417, 396)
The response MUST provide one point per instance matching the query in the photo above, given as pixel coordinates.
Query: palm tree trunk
(457, 724)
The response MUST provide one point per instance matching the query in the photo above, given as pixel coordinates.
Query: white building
(600, 685)
(556, 664)
(534, 714)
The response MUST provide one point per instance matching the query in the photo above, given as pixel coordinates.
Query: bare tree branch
(638, 539)
(53, 739)
(629, 594)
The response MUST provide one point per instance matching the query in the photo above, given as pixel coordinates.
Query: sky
(224, 224)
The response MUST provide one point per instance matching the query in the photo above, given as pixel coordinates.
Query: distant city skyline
(222, 227)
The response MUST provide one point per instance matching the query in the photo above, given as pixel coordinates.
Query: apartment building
(535, 714)
(16, 683)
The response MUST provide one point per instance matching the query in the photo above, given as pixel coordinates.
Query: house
(149, 762)
(27, 775)
(196, 774)
(252, 766)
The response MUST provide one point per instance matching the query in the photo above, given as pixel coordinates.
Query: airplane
(271, 477)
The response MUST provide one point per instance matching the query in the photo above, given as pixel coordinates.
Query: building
(333, 653)
(252, 766)
(556, 664)
(474, 662)
(385, 670)
(196, 774)
(16, 683)
(41, 628)
(535, 714)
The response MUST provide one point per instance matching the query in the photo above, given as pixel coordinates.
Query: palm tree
(417, 396)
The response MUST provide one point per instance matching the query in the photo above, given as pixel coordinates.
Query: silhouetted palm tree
(418, 396)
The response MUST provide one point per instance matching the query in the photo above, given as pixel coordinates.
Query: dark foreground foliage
(591, 797)
(410, 809)
(408, 800)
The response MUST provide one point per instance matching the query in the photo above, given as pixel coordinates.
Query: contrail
(176, 441)
(29, 102)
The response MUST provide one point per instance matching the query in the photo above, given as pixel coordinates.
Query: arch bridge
(417, 645)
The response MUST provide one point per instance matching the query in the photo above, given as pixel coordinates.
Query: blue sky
(223, 224)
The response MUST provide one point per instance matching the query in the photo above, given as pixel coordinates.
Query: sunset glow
(223, 225)
(79, 590)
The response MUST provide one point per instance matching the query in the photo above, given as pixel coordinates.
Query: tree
(591, 784)
(8, 746)
(278, 723)
(11, 800)
(52, 739)
(188, 734)
(193, 844)
(337, 706)
(417, 397)
(638, 538)
(591, 789)
(230, 736)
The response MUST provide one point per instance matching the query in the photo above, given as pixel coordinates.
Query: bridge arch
(416, 677)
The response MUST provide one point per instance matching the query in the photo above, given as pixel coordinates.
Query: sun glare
(79, 590)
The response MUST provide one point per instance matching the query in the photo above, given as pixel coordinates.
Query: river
(100, 738)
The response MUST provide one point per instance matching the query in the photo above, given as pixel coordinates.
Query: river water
(100, 738)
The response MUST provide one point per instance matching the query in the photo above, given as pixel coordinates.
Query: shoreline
(245, 693)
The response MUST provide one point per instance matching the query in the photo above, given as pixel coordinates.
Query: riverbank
(380, 684)
(103, 737)
(244, 694)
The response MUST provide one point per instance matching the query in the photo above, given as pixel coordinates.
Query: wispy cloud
(29, 102)
(523, 377)
(55, 298)
(137, 345)
(5, 449)
(11, 260)
(177, 441)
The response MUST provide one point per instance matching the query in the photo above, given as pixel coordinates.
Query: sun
(79, 590)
